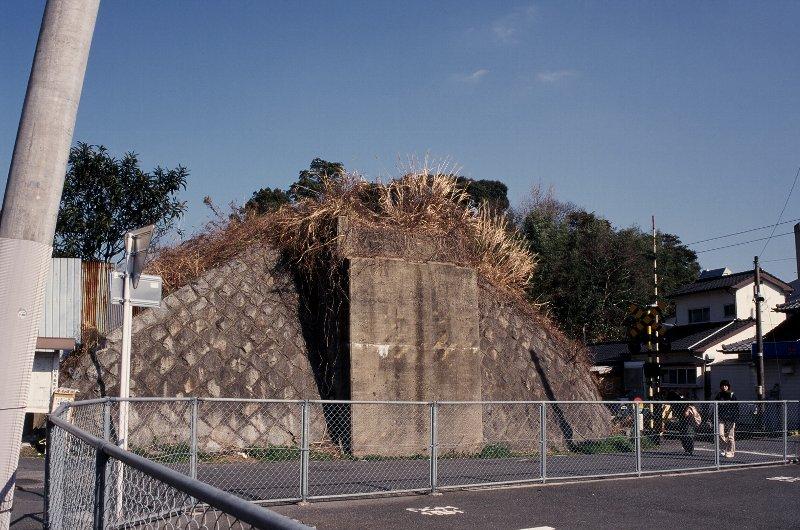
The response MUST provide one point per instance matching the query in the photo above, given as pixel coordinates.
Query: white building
(716, 309)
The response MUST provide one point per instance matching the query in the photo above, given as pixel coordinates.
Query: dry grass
(426, 202)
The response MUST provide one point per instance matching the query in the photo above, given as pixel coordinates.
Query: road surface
(762, 497)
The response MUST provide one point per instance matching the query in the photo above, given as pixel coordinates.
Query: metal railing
(92, 483)
(292, 450)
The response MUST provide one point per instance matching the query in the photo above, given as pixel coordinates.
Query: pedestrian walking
(728, 413)
(683, 415)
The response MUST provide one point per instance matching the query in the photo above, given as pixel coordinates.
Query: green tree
(266, 200)
(493, 192)
(309, 183)
(104, 197)
(589, 271)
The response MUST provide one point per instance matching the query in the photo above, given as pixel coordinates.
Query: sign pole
(124, 369)
(136, 243)
(125, 354)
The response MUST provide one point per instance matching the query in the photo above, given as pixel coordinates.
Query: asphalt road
(258, 480)
(742, 498)
(736, 497)
(29, 495)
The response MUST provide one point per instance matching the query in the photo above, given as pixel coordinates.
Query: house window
(679, 376)
(730, 310)
(702, 314)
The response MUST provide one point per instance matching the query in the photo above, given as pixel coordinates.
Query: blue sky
(686, 110)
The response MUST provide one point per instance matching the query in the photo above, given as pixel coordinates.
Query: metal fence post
(716, 434)
(434, 447)
(193, 441)
(107, 420)
(48, 450)
(785, 432)
(100, 473)
(107, 437)
(543, 441)
(637, 436)
(304, 452)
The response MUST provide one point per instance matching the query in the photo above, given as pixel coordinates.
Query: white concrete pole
(125, 353)
(30, 210)
(124, 369)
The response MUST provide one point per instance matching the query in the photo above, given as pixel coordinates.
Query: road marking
(742, 452)
(436, 510)
(539, 528)
(785, 479)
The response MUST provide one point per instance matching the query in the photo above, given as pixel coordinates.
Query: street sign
(137, 254)
(146, 294)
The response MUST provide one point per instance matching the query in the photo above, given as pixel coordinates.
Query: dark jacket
(728, 411)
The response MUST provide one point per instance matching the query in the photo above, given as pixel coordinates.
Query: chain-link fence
(290, 450)
(92, 483)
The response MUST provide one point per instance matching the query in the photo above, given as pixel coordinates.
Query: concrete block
(413, 336)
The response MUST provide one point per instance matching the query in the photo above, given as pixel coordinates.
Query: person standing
(728, 413)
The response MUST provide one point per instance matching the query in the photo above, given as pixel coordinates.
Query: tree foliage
(105, 196)
(309, 182)
(493, 192)
(589, 272)
(266, 200)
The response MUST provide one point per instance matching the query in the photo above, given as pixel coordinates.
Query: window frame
(705, 313)
(670, 376)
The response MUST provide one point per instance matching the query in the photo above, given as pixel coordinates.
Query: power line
(741, 232)
(777, 259)
(743, 243)
(785, 203)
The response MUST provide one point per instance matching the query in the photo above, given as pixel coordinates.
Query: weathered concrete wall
(413, 336)
(235, 332)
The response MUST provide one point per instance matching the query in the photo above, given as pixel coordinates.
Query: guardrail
(92, 483)
(293, 450)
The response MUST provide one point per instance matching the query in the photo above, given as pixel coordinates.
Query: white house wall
(716, 300)
(742, 376)
(714, 351)
(785, 372)
(746, 306)
(743, 298)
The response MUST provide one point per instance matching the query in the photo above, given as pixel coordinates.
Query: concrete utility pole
(797, 247)
(655, 293)
(30, 210)
(655, 387)
(759, 360)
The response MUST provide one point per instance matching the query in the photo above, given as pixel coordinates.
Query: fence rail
(269, 451)
(92, 483)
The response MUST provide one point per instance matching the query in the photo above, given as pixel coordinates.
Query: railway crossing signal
(644, 322)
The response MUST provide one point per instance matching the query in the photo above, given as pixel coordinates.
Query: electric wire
(777, 259)
(785, 203)
(742, 243)
(740, 232)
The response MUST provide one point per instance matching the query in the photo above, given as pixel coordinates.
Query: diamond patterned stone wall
(525, 358)
(234, 332)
